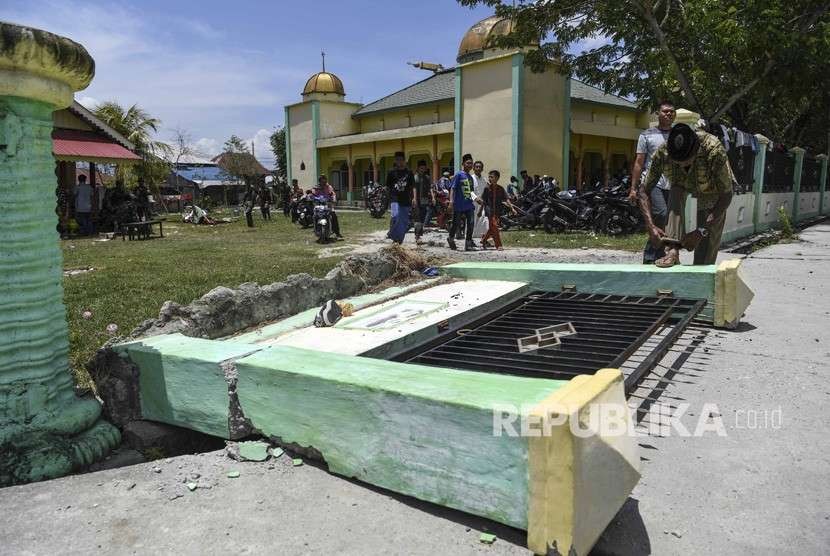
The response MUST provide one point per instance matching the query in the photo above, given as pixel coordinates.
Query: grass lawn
(132, 279)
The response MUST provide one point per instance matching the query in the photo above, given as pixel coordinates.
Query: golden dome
(324, 82)
(478, 38)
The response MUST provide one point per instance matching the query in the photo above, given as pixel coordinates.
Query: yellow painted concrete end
(583, 466)
(732, 295)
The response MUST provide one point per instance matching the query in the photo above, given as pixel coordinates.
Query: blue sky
(221, 68)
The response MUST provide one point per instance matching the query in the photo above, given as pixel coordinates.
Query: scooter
(305, 212)
(322, 219)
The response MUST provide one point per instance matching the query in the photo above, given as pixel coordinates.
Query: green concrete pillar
(822, 183)
(799, 165)
(758, 180)
(45, 430)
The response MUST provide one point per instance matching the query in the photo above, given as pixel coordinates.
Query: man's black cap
(682, 143)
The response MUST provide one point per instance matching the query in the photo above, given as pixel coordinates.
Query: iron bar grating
(609, 329)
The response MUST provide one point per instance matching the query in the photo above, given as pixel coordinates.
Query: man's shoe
(470, 246)
(451, 243)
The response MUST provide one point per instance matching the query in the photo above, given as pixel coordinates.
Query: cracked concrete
(759, 490)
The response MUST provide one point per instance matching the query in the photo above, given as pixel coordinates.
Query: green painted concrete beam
(184, 381)
(422, 431)
(694, 282)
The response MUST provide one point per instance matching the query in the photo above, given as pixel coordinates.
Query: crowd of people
(671, 162)
(100, 209)
(474, 202)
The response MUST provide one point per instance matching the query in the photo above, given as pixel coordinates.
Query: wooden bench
(140, 230)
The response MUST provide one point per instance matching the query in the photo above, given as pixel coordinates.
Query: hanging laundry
(754, 144)
(725, 138)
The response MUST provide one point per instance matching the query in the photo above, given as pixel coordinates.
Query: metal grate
(609, 329)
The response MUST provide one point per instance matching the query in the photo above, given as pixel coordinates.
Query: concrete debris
(487, 538)
(191, 486)
(253, 451)
(297, 462)
(233, 474)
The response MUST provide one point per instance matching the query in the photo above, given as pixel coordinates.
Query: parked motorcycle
(617, 215)
(376, 201)
(569, 210)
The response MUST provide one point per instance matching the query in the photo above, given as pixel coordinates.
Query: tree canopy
(278, 147)
(759, 65)
(138, 127)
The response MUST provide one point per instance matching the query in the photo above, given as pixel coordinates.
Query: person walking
(83, 206)
(479, 184)
(423, 198)
(265, 199)
(401, 186)
(696, 164)
(493, 199)
(461, 204)
(649, 141)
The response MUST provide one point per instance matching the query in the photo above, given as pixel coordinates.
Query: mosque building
(490, 105)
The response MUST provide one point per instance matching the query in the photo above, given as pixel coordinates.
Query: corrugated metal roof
(203, 173)
(583, 91)
(434, 88)
(70, 143)
(441, 86)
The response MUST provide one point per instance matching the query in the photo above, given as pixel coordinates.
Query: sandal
(671, 259)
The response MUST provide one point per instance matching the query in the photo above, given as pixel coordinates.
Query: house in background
(79, 136)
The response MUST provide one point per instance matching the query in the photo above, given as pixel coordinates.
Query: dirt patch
(433, 248)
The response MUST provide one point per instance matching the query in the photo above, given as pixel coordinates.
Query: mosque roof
(435, 88)
(441, 87)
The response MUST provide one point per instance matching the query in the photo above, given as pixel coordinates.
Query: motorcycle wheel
(552, 224)
(612, 224)
(324, 234)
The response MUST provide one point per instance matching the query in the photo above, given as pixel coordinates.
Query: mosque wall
(300, 130)
(336, 119)
(487, 112)
(543, 115)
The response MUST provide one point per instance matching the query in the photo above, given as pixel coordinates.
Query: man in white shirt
(83, 206)
(648, 143)
(479, 184)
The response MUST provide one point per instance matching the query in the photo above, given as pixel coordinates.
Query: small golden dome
(324, 82)
(478, 38)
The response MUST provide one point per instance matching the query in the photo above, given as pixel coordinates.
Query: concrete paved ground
(761, 489)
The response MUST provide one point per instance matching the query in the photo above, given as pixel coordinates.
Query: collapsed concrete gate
(387, 395)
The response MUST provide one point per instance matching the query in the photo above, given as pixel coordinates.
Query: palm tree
(135, 124)
(138, 127)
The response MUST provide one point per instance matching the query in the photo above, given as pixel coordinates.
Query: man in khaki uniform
(694, 162)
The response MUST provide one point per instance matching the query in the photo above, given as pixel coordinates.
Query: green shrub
(785, 223)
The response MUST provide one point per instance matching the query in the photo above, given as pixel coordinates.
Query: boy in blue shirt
(461, 204)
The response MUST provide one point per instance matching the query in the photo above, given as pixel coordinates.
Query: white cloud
(89, 102)
(208, 146)
(172, 67)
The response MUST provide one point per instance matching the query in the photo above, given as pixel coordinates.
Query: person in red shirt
(493, 199)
